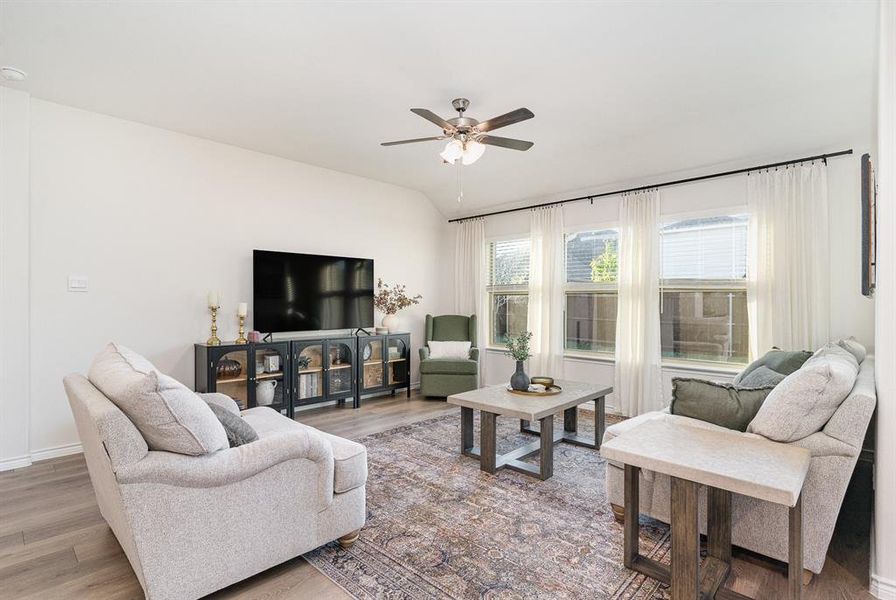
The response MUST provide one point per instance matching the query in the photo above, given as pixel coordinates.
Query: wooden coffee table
(726, 463)
(497, 400)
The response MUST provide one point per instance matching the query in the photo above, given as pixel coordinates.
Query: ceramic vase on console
(264, 393)
(390, 322)
(519, 380)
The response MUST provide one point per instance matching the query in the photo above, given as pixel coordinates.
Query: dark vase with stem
(519, 380)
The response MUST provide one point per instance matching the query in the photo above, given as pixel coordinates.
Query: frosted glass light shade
(473, 152)
(453, 150)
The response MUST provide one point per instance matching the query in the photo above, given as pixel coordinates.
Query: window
(703, 313)
(591, 274)
(508, 286)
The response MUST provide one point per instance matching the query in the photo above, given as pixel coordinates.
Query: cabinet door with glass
(308, 376)
(339, 368)
(398, 363)
(372, 366)
(269, 377)
(229, 373)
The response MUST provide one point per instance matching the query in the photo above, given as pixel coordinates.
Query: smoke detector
(13, 74)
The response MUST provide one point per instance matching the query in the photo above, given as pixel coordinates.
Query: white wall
(851, 313)
(14, 306)
(155, 219)
(883, 568)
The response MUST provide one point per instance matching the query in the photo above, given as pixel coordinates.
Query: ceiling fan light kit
(466, 136)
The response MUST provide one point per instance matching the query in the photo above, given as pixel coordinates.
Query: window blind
(586, 246)
(508, 262)
(708, 248)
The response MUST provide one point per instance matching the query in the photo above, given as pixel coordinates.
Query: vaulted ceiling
(620, 91)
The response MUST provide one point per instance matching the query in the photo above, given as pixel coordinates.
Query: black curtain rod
(823, 157)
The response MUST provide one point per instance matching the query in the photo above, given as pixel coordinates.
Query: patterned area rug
(438, 527)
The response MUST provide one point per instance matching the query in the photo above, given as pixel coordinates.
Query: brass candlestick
(242, 339)
(214, 340)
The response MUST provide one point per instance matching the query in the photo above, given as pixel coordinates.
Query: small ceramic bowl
(545, 381)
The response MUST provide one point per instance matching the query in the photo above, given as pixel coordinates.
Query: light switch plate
(77, 283)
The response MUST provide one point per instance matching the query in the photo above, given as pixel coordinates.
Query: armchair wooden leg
(618, 513)
(807, 576)
(348, 539)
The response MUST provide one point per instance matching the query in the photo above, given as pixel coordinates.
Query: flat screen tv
(309, 292)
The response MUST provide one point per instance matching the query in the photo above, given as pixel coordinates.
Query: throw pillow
(784, 362)
(238, 431)
(854, 347)
(721, 404)
(761, 377)
(806, 400)
(169, 415)
(455, 350)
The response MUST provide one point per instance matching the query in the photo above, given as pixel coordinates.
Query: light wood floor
(54, 543)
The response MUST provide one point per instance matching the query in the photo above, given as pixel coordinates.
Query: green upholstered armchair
(445, 376)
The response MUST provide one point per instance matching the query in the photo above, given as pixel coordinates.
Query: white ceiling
(621, 91)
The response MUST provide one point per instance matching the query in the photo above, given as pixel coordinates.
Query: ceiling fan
(467, 136)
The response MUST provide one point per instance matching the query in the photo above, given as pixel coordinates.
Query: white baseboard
(56, 451)
(17, 462)
(883, 588)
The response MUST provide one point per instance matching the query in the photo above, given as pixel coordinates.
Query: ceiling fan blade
(426, 139)
(503, 142)
(514, 116)
(434, 118)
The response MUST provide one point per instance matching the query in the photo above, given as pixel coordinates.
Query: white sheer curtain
(546, 296)
(470, 274)
(637, 377)
(788, 259)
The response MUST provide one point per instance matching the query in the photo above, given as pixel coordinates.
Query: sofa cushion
(239, 432)
(804, 402)
(854, 347)
(452, 350)
(449, 366)
(761, 377)
(169, 415)
(721, 404)
(780, 361)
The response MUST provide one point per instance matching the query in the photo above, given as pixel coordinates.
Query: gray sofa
(758, 525)
(191, 525)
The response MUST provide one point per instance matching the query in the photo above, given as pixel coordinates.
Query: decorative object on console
(518, 346)
(271, 363)
(229, 368)
(214, 303)
(241, 311)
(264, 392)
(544, 381)
(254, 336)
(382, 330)
(391, 299)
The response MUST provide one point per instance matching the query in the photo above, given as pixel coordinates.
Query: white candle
(241, 309)
(212, 299)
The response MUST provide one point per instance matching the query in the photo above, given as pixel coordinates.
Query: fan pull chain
(460, 180)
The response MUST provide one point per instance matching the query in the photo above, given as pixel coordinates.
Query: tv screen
(307, 292)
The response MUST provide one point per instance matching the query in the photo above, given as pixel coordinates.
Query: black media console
(288, 374)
